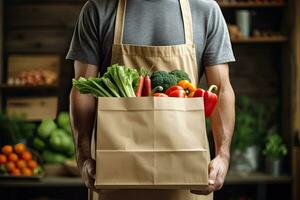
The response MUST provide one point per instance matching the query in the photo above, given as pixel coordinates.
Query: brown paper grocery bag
(151, 142)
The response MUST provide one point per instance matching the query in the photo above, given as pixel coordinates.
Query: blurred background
(35, 80)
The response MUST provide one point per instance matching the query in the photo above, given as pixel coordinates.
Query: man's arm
(222, 122)
(82, 114)
(223, 117)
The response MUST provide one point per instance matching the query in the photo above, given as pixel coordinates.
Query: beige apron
(161, 58)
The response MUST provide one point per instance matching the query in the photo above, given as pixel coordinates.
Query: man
(192, 33)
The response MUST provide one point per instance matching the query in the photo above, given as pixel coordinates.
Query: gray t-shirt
(150, 22)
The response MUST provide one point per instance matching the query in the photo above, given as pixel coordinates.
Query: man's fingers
(89, 173)
(217, 171)
(92, 172)
(218, 185)
(90, 184)
(212, 174)
(89, 181)
(216, 180)
(219, 181)
(91, 169)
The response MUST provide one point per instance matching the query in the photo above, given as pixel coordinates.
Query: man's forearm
(82, 112)
(223, 119)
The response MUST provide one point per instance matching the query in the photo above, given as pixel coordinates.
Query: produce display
(121, 81)
(14, 128)
(33, 78)
(17, 160)
(53, 140)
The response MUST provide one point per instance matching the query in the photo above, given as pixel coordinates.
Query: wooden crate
(34, 108)
(19, 63)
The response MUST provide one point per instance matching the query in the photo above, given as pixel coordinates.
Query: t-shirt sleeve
(85, 41)
(218, 49)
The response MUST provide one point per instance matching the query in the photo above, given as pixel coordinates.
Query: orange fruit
(7, 149)
(10, 166)
(13, 157)
(16, 172)
(26, 155)
(3, 159)
(21, 164)
(26, 171)
(20, 148)
(32, 164)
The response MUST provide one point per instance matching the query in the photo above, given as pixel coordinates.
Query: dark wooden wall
(1, 38)
(1, 45)
(33, 26)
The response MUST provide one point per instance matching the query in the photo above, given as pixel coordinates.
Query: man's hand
(217, 170)
(88, 173)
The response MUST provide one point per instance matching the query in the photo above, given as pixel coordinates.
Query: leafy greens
(118, 81)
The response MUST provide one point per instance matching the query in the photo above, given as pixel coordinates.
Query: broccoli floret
(180, 75)
(164, 79)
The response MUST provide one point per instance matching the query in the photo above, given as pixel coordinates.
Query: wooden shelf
(251, 5)
(29, 91)
(47, 181)
(256, 178)
(6, 87)
(273, 39)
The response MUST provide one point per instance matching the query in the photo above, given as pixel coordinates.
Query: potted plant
(252, 122)
(274, 151)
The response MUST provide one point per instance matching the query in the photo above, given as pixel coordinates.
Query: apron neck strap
(187, 21)
(186, 16)
(120, 20)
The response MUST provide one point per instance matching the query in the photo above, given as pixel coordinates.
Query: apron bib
(165, 58)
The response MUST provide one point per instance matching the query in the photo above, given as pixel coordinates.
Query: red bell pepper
(171, 89)
(210, 100)
(178, 93)
(199, 92)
